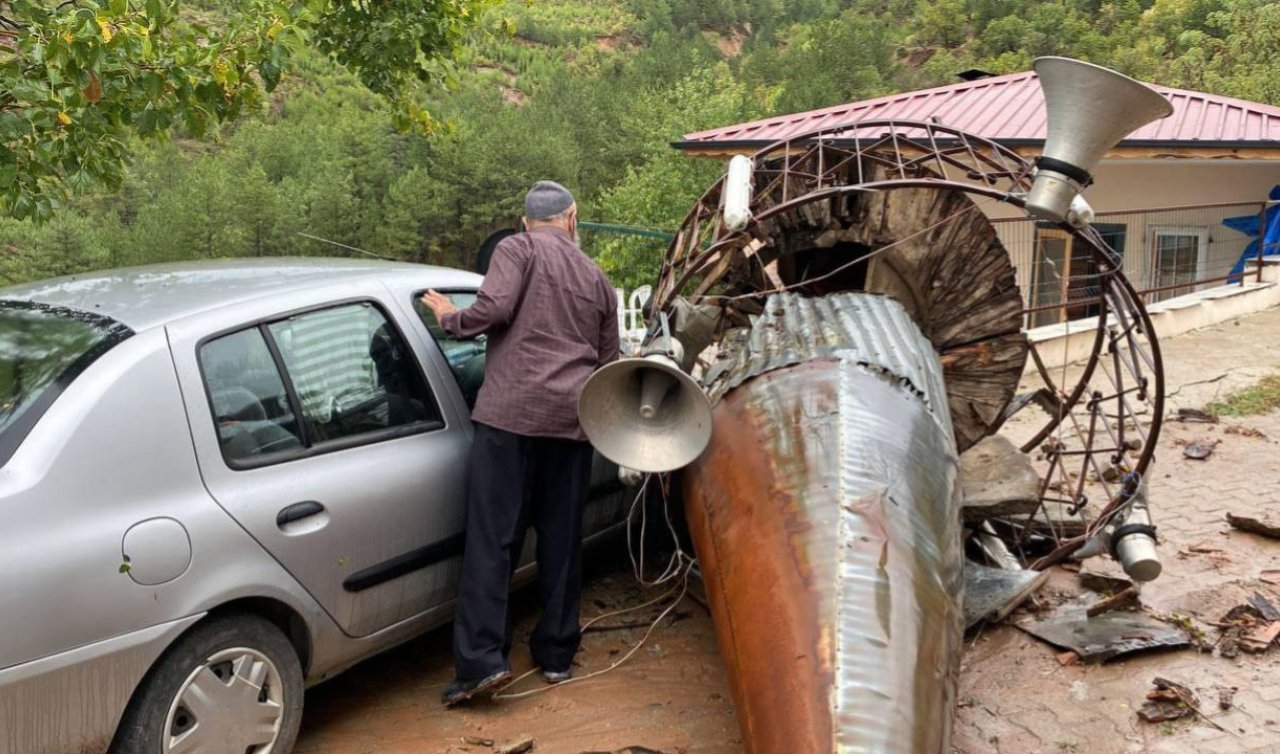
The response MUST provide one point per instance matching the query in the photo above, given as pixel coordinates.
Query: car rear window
(42, 349)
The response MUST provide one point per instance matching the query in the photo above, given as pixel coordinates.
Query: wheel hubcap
(232, 704)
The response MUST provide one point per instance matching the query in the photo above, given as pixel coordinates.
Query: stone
(518, 745)
(997, 480)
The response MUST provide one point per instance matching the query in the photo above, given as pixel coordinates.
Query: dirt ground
(672, 696)
(1014, 695)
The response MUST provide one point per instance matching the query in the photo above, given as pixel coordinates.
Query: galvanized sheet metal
(826, 517)
(875, 330)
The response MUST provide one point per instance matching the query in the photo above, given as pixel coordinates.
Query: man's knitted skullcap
(546, 199)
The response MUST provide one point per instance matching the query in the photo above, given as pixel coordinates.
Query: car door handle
(297, 512)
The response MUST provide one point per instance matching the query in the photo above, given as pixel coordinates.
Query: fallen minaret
(853, 319)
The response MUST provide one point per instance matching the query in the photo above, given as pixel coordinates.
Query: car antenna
(345, 246)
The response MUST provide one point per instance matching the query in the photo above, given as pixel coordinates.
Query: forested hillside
(590, 93)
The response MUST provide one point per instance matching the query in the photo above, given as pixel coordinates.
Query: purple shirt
(552, 319)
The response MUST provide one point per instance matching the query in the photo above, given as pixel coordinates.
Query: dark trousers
(517, 481)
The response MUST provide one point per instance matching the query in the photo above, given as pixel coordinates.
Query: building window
(1178, 259)
(1064, 275)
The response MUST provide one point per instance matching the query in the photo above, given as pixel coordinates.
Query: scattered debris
(1226, 698)
(1102, 583)
(1260, 638)
(1229, 643)
(1058, 519)
(1264, 607)
(1250, 627)
(1113, 472)
(1068, 659)
(1200, 450)
(1195, 415)
(995, 549)
(1103, 637)
(1202, 550)
(1236, 429)
(1124, 599)
(518, 745)
(1270, 576)
(997, 480)
(477, 741)
(1266, 525)
(1169, 701)
(992, 593)
(627, 750)
(1182, 694)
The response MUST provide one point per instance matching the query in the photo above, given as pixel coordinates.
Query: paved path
(1015, 697)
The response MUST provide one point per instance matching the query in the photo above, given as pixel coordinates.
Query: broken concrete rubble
(1168, 701)
(518, 745)
(997, 480)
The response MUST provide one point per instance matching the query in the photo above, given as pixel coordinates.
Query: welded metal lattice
(870, 183)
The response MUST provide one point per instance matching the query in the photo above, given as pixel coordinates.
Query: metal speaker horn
(1089, 109)
(645, 414)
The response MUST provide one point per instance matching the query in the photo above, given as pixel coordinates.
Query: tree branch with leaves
(79, 78)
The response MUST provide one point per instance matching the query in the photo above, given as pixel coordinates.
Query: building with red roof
(1161, 195)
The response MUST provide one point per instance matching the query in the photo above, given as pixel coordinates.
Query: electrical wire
(679, 567)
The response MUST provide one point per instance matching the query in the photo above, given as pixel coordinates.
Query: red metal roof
(1010, 109)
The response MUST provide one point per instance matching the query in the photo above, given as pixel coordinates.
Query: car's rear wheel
(233, 685)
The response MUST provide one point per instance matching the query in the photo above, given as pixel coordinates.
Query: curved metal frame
(817, 166)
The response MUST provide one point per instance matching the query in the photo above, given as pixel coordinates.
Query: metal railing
(1165, 252)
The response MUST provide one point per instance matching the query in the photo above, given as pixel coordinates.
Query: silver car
(221, 483)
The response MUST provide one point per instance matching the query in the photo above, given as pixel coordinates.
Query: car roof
(154, 295)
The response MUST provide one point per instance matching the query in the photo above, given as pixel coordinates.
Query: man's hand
(438, 303)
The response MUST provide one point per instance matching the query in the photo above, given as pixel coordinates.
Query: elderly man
(551, 318)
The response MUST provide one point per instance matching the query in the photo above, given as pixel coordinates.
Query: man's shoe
(461, 691)
(556, 676)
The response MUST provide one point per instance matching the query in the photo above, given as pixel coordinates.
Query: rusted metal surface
(825, 516)
(893, 212)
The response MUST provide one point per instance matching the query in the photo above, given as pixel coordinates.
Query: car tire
(208, 677)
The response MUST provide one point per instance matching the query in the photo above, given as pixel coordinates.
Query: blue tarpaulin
(1248, 225)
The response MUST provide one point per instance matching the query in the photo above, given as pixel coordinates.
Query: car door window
(251, 408)
(352, 373)
(466, 357)
(314, 382)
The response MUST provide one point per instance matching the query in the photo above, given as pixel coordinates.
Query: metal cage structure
(879, 188)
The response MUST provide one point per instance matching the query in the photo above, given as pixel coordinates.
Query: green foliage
(830, 62)
(78, 77)
(587, 92)
(1262, 398)
(658, 190)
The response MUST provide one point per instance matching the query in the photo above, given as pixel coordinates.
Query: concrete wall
(1152, 184)
(1072, 342)
(1149, 193)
